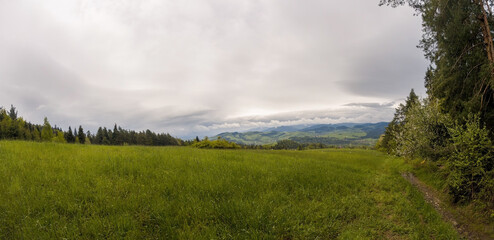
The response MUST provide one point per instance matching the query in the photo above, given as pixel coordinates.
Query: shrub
(287, 144)
(425, 132)
(471, 163)
(218, 144)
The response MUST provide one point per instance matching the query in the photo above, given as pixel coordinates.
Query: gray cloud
(198, 67)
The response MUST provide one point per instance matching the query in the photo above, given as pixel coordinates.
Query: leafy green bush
(425, 132)
(287, 144)
(472, 162)
(218, 144)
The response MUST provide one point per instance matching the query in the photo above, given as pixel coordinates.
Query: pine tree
(69, 136)
(81, 135)
(98, 139)
(76, 140)
(13, 113)
(458, 43)
(116, 140)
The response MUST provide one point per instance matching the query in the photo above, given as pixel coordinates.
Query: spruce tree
(98, 139)
(76, 140)
(81, 135)
(69, 136)
(458, 43)
(13, 113)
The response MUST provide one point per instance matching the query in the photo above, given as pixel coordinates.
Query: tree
(81, 135)
(458, 43)
(98, 139)
(59, 138)
(116, 136)
(5, 126)
(472, 163)
(106, 137)
(47, 131)
(69, 136)
(36, 135)
(390, 141)
(13, 113)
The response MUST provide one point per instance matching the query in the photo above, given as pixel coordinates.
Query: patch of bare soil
(431, 196)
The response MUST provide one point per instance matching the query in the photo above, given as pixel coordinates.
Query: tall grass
(50, 191)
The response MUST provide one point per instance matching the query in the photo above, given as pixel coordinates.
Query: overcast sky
(200, 67)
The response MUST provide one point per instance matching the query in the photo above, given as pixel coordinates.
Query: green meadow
(55, 191)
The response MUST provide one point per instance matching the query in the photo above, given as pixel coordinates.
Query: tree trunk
(486, 32)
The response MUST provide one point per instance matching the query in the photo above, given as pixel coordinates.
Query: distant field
(54, 191)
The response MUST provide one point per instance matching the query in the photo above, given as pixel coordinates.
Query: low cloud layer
(202, 67)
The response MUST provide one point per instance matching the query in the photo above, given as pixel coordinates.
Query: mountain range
(329, 134)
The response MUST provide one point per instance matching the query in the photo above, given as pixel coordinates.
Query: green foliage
(36, 136)
(69, 136)
(55, 191)
(218, 144)
(47, 131)
(14, 127)
(391, 140)
(460, 73)
(327, 134)
(81, 135)
(472, 162)
(424, 133)
(13, 113)
(459, 82)
(59, 138)
(287, 144)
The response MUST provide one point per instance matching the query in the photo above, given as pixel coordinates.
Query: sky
(202, 67)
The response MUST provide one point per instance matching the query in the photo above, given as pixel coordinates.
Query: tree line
(452, 129)
(16, 128)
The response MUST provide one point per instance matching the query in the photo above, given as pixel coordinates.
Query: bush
(471, 164)
(218, 144)
(425, 133)
(287, 144)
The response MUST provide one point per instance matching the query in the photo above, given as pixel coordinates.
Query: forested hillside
(359, 134)
(16, 128)
(451, 131)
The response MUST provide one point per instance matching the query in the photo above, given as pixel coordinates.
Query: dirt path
(432, 198)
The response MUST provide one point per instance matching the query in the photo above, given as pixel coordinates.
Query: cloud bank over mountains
(196, 67)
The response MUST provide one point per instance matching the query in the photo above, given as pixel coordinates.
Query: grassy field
(53, 191)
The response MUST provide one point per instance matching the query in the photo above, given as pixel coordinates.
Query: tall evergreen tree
(13, 113)
(69, 136)
(106, 137)
(98, 139)
(81, 135)
(116, 139)
(75, 136)
(458, 43)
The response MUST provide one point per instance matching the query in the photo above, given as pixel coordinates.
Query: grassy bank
(52, 190)
(478, 216)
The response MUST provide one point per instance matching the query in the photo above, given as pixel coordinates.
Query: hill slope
(330, 134)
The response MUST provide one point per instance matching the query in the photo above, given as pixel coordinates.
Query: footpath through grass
(50, 191)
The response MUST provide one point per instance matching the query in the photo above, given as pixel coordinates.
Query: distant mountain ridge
(329, 134)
